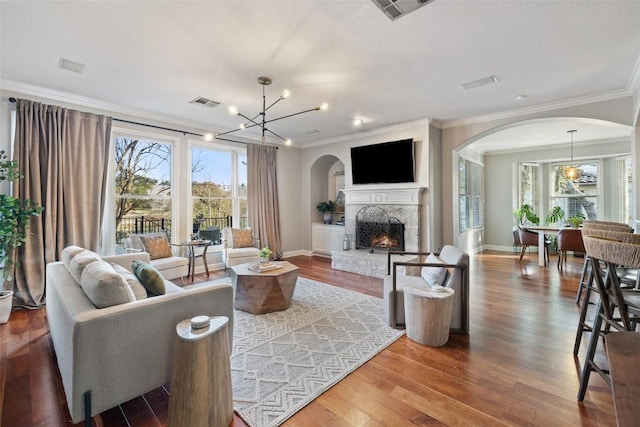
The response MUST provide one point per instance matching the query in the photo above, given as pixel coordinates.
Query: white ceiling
(156, 56)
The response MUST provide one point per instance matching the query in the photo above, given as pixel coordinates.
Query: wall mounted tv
(386, 163)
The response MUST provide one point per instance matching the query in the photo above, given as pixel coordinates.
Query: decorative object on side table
(265, 254)
(327, 208)
(576, 220)
(15, 215)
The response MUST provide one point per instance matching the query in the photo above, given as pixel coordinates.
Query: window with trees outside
(470, 184)
(142, 185)
(528, 185)
(578, 196)
(218, 187)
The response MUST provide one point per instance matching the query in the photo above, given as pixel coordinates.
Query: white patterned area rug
(282, 361)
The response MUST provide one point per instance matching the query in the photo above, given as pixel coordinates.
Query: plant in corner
(555, 215)
(14, 227)
(327, 208)
(526, 213)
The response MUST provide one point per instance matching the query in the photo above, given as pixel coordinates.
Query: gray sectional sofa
(122, 351)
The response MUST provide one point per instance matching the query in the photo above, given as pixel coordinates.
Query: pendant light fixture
(260, 119)
(571, 172)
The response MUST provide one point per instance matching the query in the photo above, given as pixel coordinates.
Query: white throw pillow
(68, 253)
(434, 276)
(136, 286)
(104, 286)
(79, 262)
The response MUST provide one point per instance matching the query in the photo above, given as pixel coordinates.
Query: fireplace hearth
(377, 231)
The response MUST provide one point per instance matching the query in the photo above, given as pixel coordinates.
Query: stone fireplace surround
(402, 202)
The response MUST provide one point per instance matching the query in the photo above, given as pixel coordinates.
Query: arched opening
(326, 180)
(544, 143)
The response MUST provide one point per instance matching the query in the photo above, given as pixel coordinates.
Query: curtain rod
(184, 132)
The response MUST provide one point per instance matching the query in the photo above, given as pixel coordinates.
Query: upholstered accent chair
(569, 239)
(239, 245)
(161, 254)
(530, 238)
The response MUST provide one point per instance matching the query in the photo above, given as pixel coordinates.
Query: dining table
(542, 231)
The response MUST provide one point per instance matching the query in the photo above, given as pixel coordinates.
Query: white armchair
(239, 246)
(170, 266)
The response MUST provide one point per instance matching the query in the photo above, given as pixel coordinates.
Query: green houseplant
(524, 214)
(14, 227)
(265, 254)
(555, 215)
(576, 220)
(327, 208)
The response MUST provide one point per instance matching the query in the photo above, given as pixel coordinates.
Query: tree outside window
(578, 196)
(142, 186)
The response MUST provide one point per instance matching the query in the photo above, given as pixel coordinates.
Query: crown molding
(558, 146)
(538, 108)
(114, 109)
(368, 133)
(634, 81)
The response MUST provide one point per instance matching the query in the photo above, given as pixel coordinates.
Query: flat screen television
(386, 163)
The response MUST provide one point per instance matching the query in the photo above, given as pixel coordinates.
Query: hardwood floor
(515, 368)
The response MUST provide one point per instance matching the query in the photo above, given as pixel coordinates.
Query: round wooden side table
(201, 374)
(428, 314)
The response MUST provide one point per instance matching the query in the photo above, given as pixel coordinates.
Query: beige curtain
(63, 155)
(264, 214)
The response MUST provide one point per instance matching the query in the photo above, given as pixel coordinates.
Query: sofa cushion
(68, 253)
(434, 276)
(243, 252)
(171, 262)
(136, 286)
(79, 262)
(151, 278)
(157, 245)
(104, 286)
(242, 237)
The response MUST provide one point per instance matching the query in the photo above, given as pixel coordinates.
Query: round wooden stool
(428, 314)
(201, 375)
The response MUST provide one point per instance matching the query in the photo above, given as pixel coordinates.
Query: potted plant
(327, 208)
(15, 215)
(555, 215)
(264, 254)
(576, 220)
(526, 213)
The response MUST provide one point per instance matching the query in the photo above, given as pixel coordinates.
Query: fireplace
(377, 231)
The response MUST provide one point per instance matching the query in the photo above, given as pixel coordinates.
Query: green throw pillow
(151, 278)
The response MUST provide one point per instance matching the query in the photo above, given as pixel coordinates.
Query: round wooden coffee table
(264, 292)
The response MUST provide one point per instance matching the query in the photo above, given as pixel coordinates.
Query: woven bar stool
(628, 278)
(618, 309)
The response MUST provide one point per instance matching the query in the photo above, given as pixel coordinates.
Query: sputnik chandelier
(571, 172)
(260, 119)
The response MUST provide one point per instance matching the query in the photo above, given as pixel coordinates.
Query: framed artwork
(338, 194)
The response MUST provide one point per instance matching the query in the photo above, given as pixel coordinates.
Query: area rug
(282, 361)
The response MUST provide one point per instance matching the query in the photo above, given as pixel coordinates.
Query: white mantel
(383, 195)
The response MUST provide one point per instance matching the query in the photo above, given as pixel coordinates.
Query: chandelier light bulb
(208, 137)
(357, 122)
(233, 110)
(287, 141)
(286, 93)
(241, 126)
(324, 106)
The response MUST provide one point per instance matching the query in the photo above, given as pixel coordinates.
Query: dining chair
(618, 309)
(530, 238)
(569, 239)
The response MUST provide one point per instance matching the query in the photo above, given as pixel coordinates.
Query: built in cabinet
(326, 238)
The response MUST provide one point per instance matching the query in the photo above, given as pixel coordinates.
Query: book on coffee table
(265, 266)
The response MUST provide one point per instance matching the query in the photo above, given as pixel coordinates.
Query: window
(470, 184)
(578, 196)
(528, 185)
(218, 187)
(625, 190)
(142, 185)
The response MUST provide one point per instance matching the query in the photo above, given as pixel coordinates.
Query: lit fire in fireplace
(383, 242)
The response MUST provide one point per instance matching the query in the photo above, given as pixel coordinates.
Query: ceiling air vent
(204, 102)
(395, 9)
